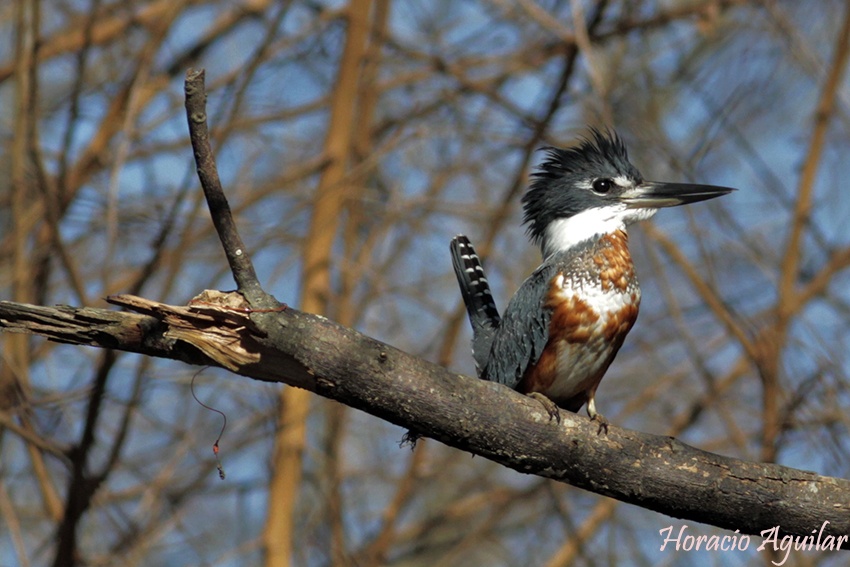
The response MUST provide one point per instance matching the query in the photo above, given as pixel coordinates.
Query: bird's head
(592, 189)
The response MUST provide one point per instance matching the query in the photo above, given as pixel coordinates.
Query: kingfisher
(564, 325)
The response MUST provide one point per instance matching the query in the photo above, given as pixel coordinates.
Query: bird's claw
(603, 423)
(550, 406)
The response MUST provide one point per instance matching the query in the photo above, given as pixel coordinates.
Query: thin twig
(237, 256)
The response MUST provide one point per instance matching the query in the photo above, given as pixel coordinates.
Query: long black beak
(653, 194)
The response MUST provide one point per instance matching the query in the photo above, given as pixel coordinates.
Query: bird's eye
(602, 186)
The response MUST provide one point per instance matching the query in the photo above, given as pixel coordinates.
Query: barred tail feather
(475, 289)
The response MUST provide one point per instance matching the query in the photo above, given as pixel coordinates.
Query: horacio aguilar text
(683, 541)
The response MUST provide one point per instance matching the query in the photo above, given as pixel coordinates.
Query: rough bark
(486, 419)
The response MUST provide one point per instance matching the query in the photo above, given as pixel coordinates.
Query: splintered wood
(216, 323)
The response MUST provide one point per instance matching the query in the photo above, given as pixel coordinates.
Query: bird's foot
(550, 406)
(603, 423)
(596, 416)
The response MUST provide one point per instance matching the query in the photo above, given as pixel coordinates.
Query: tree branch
(487, 419)
(237, 255)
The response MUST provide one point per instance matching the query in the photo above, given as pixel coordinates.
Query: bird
(566, 322)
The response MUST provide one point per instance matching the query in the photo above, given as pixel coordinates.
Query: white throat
(564, 234)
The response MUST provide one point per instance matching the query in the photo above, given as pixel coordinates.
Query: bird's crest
(552, 193)
(601, 150)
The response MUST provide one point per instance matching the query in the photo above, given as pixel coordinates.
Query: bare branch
(237, 255)
(487, 419)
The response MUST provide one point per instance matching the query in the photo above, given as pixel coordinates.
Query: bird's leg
(595, 415)
(550, 406)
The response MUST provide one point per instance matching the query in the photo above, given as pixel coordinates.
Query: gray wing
(524, 331)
